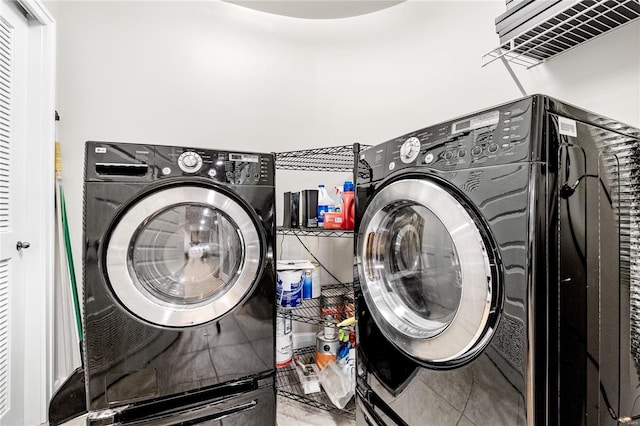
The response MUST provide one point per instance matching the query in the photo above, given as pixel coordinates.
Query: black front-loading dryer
(179, 285)
(497, 271)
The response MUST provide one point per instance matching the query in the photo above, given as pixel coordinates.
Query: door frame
(38, 309)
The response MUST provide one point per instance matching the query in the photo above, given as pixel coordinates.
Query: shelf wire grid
(575, 25)
(289, 386)
(329, 159)
(315, 232)
(334, 298)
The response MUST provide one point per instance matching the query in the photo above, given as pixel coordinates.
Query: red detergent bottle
(348, 205)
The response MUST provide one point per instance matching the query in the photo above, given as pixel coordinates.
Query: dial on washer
(190, 162)
(409, 150)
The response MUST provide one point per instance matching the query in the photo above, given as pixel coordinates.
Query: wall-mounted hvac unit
(533, 31)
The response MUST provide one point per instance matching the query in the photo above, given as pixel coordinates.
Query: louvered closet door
(13, 196)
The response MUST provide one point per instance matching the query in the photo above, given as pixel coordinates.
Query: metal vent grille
(575, 25)
(4, 337)
(111, 331)
(511, 341)
(622, 167)
(6, 77)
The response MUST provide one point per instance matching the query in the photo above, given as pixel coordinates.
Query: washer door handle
(22, 245)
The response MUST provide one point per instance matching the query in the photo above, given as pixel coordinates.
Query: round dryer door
(183, 255)
(425, 272)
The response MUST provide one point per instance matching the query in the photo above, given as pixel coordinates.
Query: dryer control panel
(236, 168)
(497, 136)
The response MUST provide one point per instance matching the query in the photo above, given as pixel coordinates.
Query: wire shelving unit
(289, 387)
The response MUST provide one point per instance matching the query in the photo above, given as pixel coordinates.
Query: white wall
(214, 74)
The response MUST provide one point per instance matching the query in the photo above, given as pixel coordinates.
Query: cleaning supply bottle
(325, 204)
(348, 205)
(339, 194)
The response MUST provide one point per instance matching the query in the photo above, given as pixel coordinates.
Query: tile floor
(290, 413)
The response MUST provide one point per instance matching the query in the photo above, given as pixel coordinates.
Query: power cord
(603, 392)
(317, 261)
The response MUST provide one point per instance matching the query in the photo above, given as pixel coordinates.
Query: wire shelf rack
(289, 386)
(579, 23)
(336, 298)
(315, 232)
(329, 159)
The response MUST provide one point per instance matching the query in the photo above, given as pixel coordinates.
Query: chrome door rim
(148, 306)
(467, 329)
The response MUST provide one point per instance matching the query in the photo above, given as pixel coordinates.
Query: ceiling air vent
(533, 31)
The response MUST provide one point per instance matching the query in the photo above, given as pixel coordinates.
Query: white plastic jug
(325, 204)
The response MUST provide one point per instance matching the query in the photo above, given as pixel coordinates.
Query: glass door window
(183, 256)
(186, 254)
(425, 272)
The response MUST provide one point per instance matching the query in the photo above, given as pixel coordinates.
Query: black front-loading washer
(498, 270)
(179, 284)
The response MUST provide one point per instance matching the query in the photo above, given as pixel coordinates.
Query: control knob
(476, 150)
(190, 162)
(409, 150)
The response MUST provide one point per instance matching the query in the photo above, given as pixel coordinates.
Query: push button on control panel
(428, 159)
(492, 148)
(476, 150)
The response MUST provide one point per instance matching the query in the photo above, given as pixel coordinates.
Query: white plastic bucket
(289, 288)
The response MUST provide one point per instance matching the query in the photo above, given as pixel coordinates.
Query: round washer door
(425, 272)
(183, 255)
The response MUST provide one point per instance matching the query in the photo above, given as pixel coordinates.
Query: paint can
(284, 338)
(289, 288)
(326, 349)
(330, 327)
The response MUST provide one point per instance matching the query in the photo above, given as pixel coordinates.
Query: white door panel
(13, 129)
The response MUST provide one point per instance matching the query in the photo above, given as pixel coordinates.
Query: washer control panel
(497, 136)
(238, 168)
